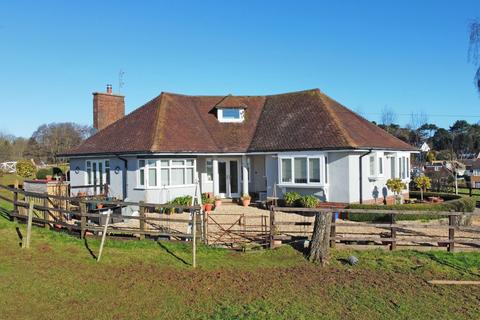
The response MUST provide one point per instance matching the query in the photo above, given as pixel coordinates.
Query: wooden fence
(81, 215)
(297, 223)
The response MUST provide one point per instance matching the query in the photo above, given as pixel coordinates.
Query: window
(89, 173)
(230, 114)
(408, 167)
(152, 173)
(380, 166)
(166, 172)
(303, 170)
(141, 173)
(314, 170)
(326, 169)
(107, 172)
(209, 169)
(392, 167)
(286, 170)
(98, 172)
(372, 166)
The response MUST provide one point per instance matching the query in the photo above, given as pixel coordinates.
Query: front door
(228, 178)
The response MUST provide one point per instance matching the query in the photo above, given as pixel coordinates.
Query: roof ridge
(327, 102)
(153, 140)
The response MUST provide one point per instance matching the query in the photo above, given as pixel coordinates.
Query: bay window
(165, 172)
(303, 170)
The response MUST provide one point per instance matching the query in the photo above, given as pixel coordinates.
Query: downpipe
(361, 174)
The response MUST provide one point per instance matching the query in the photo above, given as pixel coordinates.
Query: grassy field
(58, 278)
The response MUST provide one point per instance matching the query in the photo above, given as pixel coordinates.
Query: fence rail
(391, 233)
(81, 215)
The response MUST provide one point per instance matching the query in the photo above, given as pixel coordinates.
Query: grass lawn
(58, 278)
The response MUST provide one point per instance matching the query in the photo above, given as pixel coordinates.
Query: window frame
(102, 166)
(222, 118)
(323, 170)
(160, 166)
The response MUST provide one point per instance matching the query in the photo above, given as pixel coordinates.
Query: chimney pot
(109, 88)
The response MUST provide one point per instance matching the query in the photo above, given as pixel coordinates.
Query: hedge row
(453, 203)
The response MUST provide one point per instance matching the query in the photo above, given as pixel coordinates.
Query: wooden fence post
(393, 232)
(194, 238)
(205, 227)
(142, 220)
(26, 242)
(46, 215)
(83, 219)
(15, 200)
(451, 233)
(272, 226)
(104, 235)
(333, 230)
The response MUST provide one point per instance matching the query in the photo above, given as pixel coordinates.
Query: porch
(232, 176)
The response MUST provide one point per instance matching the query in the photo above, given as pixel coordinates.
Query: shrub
(291, 198)
(26, 169)
(453, 203)
(309, 201)
(44, 172)
(423, 183)
(396, 186)
(182, 201)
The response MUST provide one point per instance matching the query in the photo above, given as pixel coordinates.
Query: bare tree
(388, 116)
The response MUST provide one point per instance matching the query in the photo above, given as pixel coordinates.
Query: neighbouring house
(444, 173)
(473, 172)
(262, 145)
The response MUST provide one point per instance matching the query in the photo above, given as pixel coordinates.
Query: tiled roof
(304, 120)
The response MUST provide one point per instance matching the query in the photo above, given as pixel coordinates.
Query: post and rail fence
(81, 215)
(392, 233)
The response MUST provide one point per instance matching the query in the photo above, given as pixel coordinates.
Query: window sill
(165, 187)
(302, 185)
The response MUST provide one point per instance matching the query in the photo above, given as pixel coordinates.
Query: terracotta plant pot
(208, 207)
(246, 202)
(99, 205)
(49, 178)
(218, 203)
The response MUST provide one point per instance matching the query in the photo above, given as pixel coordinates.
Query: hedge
(453, 203)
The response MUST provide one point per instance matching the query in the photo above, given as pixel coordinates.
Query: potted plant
(218, 201)
(246, 199)
(208, 204)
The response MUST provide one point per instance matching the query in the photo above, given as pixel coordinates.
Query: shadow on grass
(172, 254)
(462, 270)
(85, 242)
(4, 213)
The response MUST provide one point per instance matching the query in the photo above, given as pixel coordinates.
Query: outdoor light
(117, 170)
(77, 170)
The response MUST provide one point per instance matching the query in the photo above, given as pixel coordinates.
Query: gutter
(124, 176)
(361, 174)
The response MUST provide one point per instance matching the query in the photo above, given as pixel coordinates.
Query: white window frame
(89, 175)
(323, 164)
(375, 159)
(209, 178)
(221, 118)
(159, 167)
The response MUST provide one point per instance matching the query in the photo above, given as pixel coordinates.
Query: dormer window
(231, 114)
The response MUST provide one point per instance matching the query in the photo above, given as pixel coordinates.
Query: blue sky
(408, 55)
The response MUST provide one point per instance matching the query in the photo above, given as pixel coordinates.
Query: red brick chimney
(107, 108)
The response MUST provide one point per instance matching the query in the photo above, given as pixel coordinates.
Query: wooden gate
(236, 230)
